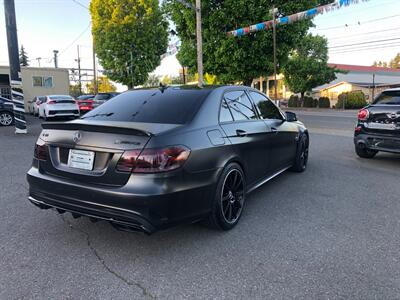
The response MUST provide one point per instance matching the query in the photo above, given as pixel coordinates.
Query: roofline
(37, 68)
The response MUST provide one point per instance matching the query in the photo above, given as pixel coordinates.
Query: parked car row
(52, 106)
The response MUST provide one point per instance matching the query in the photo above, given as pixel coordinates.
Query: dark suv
(6, 112)
(378, 127)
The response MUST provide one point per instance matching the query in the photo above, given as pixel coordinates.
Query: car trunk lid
(99, 146)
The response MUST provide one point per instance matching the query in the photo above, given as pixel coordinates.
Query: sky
(45, 25)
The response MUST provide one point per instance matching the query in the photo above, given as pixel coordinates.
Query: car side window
(240, 106)
(225, 114)
(265, 107)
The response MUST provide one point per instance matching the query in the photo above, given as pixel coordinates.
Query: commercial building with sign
(37, 82)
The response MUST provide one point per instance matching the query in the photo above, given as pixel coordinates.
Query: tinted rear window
(390, 98)
(102, 97)
(173, 106)
(60, 98)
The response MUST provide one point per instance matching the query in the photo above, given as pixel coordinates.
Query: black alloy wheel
(229, 199)
(232, 196)
(301, 159)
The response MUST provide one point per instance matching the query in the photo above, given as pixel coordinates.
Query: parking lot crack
(144, 290)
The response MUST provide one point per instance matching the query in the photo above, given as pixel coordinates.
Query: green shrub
(310, 102)
(294, 101)
(352, 100)
(324, 102)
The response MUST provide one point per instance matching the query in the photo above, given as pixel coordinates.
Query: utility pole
(199, 43)
(132, 70)
(38, 60)
(55, 58)
(79, 72)
(17, 94)
(274, 45)
(373, 87)
(95, 87)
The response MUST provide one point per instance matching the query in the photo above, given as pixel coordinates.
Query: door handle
(241, 132)
(274, 130)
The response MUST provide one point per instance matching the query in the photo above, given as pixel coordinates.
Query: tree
(395, 62)
(23, 57)
(307, 67)
(130, 36)
(152, 81)
(231, 58)
(74, 90)
(104, 85)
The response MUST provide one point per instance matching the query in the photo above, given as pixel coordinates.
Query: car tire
(364, 152)
(301, 159)
(229, 198)
(6, 118)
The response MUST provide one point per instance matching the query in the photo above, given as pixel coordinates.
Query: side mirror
(291, 116)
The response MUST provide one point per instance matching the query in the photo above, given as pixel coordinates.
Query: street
(331, 232)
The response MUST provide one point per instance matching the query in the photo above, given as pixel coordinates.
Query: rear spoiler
(106, 128)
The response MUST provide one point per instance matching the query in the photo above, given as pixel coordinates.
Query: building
(36, 82)
(370, 80)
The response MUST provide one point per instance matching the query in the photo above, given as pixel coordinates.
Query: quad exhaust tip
(119, 225)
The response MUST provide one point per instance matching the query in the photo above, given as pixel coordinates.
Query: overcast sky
(44, 25)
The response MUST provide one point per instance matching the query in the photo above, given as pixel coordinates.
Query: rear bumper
(136, 206)
(379, 142)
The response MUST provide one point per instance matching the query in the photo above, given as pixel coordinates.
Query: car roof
(392, 90)
(59, 96)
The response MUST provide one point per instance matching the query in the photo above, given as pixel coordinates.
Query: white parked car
(58, 106)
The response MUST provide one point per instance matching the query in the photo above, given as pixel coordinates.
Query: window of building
(48, 82)
(42, 81)
(37, 81)
(240, 106)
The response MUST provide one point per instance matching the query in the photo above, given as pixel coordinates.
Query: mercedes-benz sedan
(149, 159)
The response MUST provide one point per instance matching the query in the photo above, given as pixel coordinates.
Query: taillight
(40, 152)
(357, 130)
(363, 114)
(153, 160)
(51, 102)
(128, 161)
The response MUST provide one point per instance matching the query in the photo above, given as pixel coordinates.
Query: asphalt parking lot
(331, 232)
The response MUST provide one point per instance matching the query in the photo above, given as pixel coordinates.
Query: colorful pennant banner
(308, 14)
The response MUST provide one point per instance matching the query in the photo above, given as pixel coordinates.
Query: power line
(358, 23)
(363, 33)
(369, 47)
(80, 4)
(75, 40)
(363, 43)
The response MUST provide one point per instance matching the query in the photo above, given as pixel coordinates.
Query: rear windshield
(172, 106)
(85, 97)
(102, 97)
(389, 97)
(60, 97)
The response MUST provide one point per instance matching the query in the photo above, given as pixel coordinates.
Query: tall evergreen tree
(23, 57)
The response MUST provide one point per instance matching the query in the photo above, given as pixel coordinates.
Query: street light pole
(17, 94)
(199, 43)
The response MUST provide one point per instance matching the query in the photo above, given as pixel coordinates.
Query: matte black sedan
(378, 127)
(149, 159)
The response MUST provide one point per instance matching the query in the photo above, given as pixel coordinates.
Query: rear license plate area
(81, 159)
